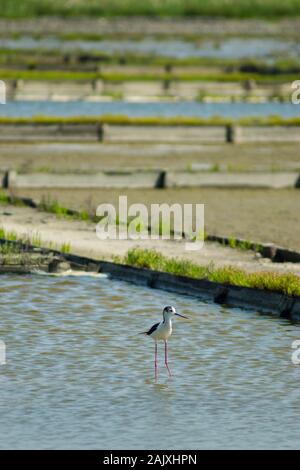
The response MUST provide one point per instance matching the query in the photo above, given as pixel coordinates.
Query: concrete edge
(151, 179)
(276, 253)
(269, 302)
(233, 133)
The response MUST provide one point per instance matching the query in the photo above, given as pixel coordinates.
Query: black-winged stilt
(161, 331)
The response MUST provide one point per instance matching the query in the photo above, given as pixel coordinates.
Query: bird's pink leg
(166, 358)
(155, 361)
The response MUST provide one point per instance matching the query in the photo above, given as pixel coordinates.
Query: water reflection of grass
(285, 283)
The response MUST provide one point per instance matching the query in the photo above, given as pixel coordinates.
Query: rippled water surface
(183, 108)
(79, 376)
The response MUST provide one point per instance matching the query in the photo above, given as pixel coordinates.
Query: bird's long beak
(179, 315)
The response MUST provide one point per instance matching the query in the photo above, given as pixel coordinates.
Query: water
(230, 48)
(184, 108)
(78, 376)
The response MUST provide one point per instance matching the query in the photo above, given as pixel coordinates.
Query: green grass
(241, 245)
(285, 283)
(271, 120)
(54, 207)
(117, 119)
(8, 235)
(33, 239)
(4, 198)
(10, 199)
(222, 77)
(47, 75)
(215, 168)
(178, 8)
(9, 249)
(48, 205)
(65, 248)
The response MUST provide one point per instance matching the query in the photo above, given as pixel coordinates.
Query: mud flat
(266, 216)
(54, 231)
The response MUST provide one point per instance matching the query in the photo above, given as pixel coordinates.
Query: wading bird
(161, 332)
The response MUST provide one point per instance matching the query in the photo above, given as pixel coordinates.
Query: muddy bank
(23, 258)
(267, 301)
(261, 215)
(80, 236)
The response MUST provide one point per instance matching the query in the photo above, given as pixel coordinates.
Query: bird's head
(170, 312)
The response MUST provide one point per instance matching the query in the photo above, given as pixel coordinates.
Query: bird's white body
(163, 331)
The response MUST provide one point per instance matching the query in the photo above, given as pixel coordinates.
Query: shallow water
(183, 108)
(79, 376)
(230, 48)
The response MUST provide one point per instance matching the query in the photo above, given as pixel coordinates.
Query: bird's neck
(167, 320)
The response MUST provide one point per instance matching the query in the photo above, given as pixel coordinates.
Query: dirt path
(261, 215)
(82, 238)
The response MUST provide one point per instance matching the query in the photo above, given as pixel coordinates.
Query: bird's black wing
(152, 329)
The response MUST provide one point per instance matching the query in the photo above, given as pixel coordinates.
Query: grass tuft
(117, 77)
(288, 283)
(4, 199)
(65, 248)
(271, 120)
